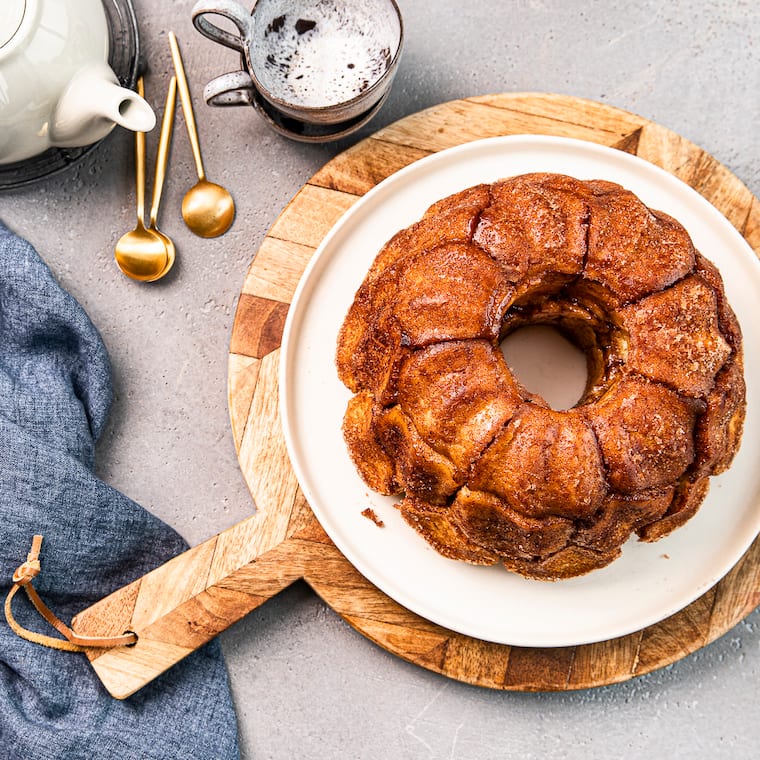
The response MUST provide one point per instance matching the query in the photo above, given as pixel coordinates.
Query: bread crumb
(370, 514)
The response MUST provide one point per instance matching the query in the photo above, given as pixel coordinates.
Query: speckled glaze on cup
(322, 63)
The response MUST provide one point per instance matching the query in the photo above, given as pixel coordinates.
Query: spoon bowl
(142, 254)
(208, 209)
(171, 253)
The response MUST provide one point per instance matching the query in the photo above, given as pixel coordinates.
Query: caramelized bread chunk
(675, 337)
(458, 395)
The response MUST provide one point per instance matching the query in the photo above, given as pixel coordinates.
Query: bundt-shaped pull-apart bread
(487, 470)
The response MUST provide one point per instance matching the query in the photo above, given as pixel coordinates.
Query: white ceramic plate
(650, 581)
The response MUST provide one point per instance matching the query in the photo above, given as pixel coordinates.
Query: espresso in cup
(321, 56)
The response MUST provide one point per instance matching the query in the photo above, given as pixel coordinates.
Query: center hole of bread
(548, 364)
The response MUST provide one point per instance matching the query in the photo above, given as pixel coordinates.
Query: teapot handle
(229, 9)
(233, 89)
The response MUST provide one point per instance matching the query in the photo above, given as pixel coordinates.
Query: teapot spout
(92, 104)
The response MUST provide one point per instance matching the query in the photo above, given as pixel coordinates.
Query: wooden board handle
(186, 602)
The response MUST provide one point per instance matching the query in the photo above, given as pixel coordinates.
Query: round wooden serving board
(264, 300)
(182, 604)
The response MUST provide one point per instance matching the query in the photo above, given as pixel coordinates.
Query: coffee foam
(319, 53)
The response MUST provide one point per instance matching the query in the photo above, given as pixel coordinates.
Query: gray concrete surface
(305, 684)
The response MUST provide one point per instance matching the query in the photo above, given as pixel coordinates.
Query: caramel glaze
(486, 471)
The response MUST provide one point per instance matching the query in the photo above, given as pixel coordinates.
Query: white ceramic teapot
(56, 88)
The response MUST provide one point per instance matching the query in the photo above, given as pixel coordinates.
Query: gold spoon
(207, 208)
(162, 158)
(141, 253)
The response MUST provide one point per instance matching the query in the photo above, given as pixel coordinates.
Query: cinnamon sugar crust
(485, 471)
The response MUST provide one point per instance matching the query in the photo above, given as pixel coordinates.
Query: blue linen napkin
(55, 394)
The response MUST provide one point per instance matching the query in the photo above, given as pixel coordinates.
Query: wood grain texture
(184, 603)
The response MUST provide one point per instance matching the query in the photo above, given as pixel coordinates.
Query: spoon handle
(187, 104)
(162, 155)
(140, 163)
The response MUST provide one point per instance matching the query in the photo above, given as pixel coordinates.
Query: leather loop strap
(26, 572)
(72, 642)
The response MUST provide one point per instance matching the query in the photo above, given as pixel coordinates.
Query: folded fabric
(55, 394)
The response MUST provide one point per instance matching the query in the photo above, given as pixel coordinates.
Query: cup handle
(233, 89)
(229, 9)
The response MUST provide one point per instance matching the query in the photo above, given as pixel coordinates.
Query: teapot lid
(11, 16)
